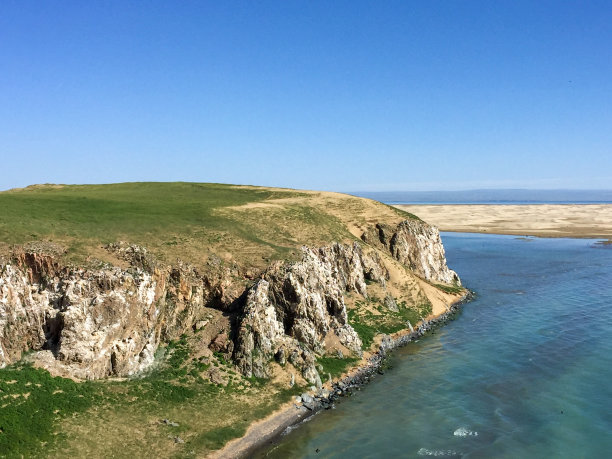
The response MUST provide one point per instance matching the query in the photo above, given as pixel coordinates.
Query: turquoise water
(524, 371)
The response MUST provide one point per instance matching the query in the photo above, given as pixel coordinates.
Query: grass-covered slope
(42, 416)
(187, 221)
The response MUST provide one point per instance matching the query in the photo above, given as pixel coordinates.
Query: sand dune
(545, 220)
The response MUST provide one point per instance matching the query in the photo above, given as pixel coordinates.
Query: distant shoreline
(491, 196)
(540, 220)
(495, 203)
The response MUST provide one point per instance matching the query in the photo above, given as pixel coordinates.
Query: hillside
(186, 221)
(164, 318)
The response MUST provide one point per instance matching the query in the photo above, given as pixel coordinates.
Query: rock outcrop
(416, 245)
(94, 323)
(294, 308)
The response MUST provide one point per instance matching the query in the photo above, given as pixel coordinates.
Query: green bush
(31, 403)
(334, 365)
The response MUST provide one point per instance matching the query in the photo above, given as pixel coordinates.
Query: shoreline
(541, 235)
(265, 433)
(583, 221)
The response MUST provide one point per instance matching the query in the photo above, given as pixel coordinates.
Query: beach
(543, 220)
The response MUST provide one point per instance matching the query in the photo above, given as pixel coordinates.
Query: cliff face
(89, 323)
(417, 246)
(95, 323)
(297, 307)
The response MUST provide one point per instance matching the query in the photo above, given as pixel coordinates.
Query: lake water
(525, 371)
(491, 197)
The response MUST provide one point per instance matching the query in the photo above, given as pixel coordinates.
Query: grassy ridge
(180, 220)
(139, 212)
(104, 211)
(174, 220)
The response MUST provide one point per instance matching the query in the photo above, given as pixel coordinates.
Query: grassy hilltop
(186, 221)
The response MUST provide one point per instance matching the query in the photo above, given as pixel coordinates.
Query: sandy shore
(262, 431)
(544, 220)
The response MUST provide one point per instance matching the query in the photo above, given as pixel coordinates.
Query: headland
(166, 318)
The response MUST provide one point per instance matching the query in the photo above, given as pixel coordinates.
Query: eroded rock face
(416, 245)
(94, 323)
(293, 309)
(22, 314)
(374, 269)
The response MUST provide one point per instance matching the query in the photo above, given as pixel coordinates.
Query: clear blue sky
(326, 95)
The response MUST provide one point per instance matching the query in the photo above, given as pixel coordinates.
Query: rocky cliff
(91, 324)
(94, 323)
(295, 308)
(416, 245)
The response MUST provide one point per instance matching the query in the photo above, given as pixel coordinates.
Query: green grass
(139, 212)
(173, 220)
(125, 208)
(403, 213)
(366, 331)
(335, 366)
(32, 402)
(41, 414)
(175, 381)
(453, 289)
(368, 325)
(217, 437)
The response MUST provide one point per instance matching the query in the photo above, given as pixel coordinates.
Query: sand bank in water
(544, 220)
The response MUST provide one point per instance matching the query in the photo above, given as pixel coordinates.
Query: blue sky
(324, 95)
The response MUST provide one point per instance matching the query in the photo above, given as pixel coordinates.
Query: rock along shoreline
(265, 434)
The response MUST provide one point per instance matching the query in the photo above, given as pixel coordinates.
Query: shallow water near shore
(523, 371)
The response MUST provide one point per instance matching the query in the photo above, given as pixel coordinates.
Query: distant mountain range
(491, 196)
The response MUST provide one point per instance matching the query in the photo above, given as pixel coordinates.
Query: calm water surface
(525, 370)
